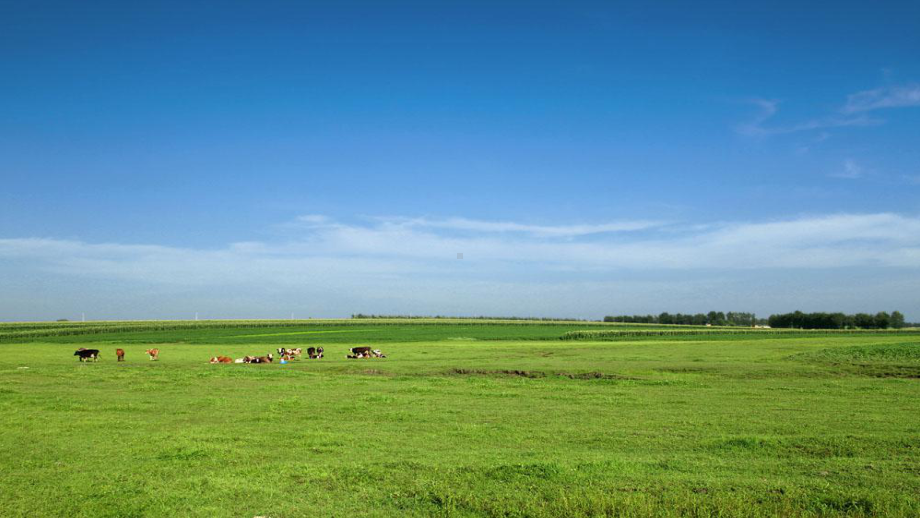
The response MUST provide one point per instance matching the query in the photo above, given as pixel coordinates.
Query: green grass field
(461, 419)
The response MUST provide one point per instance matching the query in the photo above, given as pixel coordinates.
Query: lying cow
(365, 352)
(221, 359)
(289, 354)
(259, 359)
(314, 353)
(87, 354)
(153, 353)
(361, 352)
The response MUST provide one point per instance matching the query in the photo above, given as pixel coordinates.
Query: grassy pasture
(461, 420)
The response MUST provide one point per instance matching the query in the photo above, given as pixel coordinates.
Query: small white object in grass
(22, 367)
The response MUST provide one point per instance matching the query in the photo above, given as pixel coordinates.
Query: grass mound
(896, 360)
(881, 353)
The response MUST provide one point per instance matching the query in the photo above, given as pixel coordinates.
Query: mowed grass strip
(754, 427)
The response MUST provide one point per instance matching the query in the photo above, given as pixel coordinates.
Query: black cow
(87, 354)
(314, 353)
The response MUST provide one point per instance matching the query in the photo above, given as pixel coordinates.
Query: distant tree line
(799, 320)
(713, 318)
(796, 319)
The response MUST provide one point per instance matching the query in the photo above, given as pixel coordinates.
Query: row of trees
(797, 319)
(714, 318)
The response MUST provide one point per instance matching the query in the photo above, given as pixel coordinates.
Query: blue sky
(254, 159)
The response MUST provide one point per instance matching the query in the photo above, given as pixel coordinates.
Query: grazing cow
(377, 353)
(120, 354)
(87, 354)
(221, 359)
(153, 353)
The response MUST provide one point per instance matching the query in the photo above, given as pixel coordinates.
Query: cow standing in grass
(153, 353)
(120, 354)
(87, 354)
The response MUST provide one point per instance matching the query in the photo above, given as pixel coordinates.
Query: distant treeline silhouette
(713, 318)
(799, 320)
(796, 319)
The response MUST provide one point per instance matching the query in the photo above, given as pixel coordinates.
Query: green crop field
(463, 418)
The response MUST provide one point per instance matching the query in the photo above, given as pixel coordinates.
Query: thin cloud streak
(855, 112)
(757, 126)
(472, 225)
(879, 98)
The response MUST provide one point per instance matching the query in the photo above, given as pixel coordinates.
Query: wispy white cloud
(855, 112)
(766, 109)
(758, 126)
(850, 171)
(886, 97)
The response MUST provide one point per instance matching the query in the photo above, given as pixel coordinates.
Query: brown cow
(258, 359)
(153, 353)
(120, 354)
(221, 359)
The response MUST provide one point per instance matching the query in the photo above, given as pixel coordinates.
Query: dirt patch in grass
(689, 370)
(376, 372)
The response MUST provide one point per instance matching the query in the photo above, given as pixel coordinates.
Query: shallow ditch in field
(540, 374)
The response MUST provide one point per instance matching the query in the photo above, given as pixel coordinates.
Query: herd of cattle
(86, 355)
(285, 355)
